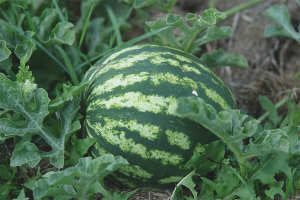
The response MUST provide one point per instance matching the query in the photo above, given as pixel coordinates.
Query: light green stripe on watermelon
(155, 79)
(179, 139)
(124, 181)
(199, 149)
(172, 179)
(143, 103)
(213, 95)
(135, 171)
(118, 138)
(146, 130)
(116, 54)
(151, 57)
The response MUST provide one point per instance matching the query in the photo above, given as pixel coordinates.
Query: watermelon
(131, 110)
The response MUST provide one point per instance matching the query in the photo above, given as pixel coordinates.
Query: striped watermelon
(131, 106)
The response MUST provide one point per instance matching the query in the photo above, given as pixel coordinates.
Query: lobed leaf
(189, 34)
(11, 99)
(270, 107)
(78, 181)
(214, 150)
(69, 92)
(4, 51)
(20, 43)
(50, 36)
(281, 16)
(21, 196)
(227, 125)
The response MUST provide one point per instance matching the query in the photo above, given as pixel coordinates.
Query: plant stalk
(241, 7)
(212, 4)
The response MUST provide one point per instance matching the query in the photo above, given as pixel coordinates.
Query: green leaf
(296, 149)
(78, 181)
(51, 36)
(227, 125)
(211, 34)
(4, 51)
(220, 58)
(189, 34)
(11, 99)
(214, 150)
(24, 72)
(19, 42)
(270, 107)
(188, 182)
(269, 165)
(119, 196)
(225, 182)
(69, 92)
(22, 196)
(5, 173)
(82, 145)
(281, 16)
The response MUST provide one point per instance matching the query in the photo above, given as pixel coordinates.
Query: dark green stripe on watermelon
(131, 106)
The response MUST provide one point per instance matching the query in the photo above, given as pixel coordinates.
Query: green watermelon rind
(131, 110)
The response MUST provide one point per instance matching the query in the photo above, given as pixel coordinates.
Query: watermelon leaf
(50, 36)
(281, 16)
(117, 195)
(187, 182)
(215, 150)
(31, 120)
(4, 51)
(267, 104)
(274, 149)
(21, 45)
(21, 196)
(220, 58)
(78, 181)
(69, 92)
(189, 34)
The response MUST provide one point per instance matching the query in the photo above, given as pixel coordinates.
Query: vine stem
(239, 157)
(212, 4)
(277, 105)
(241, 7)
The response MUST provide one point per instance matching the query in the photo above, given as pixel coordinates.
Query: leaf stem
(192, 39)
(278, 105)
(241, 7)
(211, 3)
